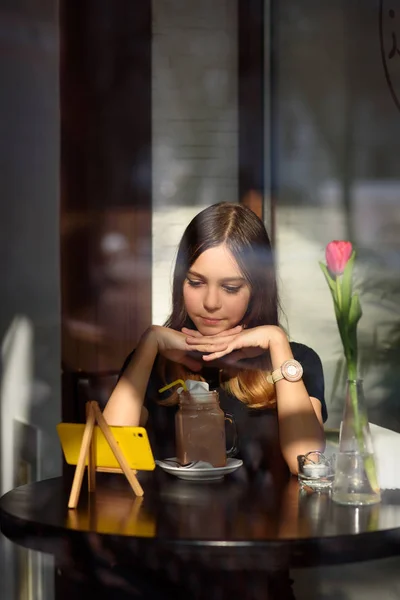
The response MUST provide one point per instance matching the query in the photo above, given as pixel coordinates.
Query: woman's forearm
(299, 416)
(125, 405)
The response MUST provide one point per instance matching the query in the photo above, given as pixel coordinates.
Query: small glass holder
(316, 471)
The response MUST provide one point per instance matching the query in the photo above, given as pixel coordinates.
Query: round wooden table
(233, 525)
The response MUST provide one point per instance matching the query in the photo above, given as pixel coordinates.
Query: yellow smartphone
(133, 442)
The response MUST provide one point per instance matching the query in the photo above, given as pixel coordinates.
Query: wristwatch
(291, 370)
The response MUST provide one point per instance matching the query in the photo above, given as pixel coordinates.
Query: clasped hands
(227, 348)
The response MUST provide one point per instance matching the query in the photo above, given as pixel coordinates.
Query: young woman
(224, 329)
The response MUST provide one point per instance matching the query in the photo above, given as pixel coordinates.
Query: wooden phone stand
(88, 450)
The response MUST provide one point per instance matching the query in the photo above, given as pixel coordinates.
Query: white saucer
(199, 472)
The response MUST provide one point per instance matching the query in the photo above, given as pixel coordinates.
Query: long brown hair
(245, 236)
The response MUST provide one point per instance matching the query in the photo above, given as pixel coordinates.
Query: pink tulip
(337, 255)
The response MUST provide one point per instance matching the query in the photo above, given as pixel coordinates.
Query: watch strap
(276, 375)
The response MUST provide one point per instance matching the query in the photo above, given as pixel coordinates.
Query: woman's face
(215, 292)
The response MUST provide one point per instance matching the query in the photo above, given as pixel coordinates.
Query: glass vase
(355, 481)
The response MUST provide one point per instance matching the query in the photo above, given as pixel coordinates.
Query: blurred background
(121, 121)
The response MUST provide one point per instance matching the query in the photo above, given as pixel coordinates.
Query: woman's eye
(232, 289)
(193, 283)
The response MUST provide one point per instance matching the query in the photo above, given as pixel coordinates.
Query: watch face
(292, 370)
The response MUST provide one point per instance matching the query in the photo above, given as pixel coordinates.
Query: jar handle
(233, 450)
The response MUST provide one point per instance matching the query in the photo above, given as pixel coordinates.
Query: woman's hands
(238, 342)
(172, 344)
(190, 348)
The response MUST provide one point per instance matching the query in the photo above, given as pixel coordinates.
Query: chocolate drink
(200, 429)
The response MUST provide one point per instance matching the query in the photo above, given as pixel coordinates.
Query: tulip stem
(339, 291)
(358, 430)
